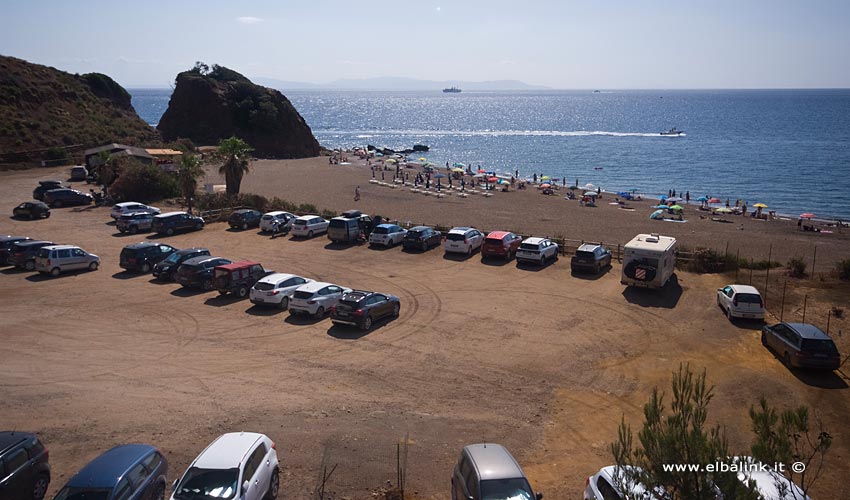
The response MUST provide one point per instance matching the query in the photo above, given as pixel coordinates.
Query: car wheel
(469, 251)
(309, 234)
(57, 204)
(274, 485)
(133, 229)
(542, 261)
(39, 488)
(424, 246)
(199, 226)
(729, 314)
(320, 312)
(169, 231)
(787, 360)
(284, 303)
(146, 268)
(367, 324)
(55, 272)
(29, 266)
(597, 269)
(93, 266)
(396, 310)
(206, 285)
(46, 215)
(244, 226)
(242, 292)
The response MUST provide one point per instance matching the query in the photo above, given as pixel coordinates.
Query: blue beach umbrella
(661, 206)
(702, 198)
(657, 214)
(663, 197)
(440, 176)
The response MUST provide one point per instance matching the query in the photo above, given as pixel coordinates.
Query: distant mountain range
(397, 83)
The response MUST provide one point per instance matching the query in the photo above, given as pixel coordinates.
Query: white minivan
(56, 259)
(308, 226)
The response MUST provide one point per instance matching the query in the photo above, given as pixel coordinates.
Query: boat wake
(488, 133)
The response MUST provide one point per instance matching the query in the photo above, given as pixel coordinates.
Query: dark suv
(24, 467)
(22, 254)
(238, 278)
(126, 472)
(801, 345)
(65, 197)
(592, 258)
(173, 222)
(361, 309)
(135, 222)
(167, 269)
(198, 272)
(6, 244)
(421, 238)
(143, 256)
(244, 218)
(45, 186)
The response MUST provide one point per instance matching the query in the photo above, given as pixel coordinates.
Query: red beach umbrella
(807, 215)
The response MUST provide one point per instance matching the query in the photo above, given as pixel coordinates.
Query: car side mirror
(539, 495)
(245, 486)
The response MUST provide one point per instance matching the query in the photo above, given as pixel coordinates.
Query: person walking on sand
(688, 197)
(357, 193)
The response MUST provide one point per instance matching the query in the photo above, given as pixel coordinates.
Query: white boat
(673, 131)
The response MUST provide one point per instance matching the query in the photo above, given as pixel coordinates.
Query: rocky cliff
(212, 104)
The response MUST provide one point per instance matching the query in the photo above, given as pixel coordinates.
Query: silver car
(56, 259)
(316, 298)
(486, 471)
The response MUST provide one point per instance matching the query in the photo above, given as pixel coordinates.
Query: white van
(649, 260)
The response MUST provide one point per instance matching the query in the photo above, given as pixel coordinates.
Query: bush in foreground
(144, 183)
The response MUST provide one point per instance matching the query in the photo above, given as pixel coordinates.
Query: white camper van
(649, 261)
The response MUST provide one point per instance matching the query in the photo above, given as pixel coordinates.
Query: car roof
(169, 214)
(357, 295)
(315, 286)
(534, 240)
(351, 214)
(306, 217)
(420, 228)
(60, 247)
(745, 289)
(277, 212)
(15, 238)
(27, 243)
(460, 229)
(278, 277)
(8, 439)
(493, 461)
(142, 244)
(388, 226)
(245, 211)
(808, 331)
(127, 204)
(227, 451)
(105, 470)
(187, 251)
(49, 181)
(498, 234)
(198, 259)
(130, 215)
(34, 202)
(239, 265)
(587, 247)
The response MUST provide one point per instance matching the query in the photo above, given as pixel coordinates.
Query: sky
(563, 44)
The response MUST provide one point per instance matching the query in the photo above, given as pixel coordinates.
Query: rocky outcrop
(210, 105)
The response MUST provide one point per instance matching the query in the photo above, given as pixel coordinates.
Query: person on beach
(382, 175)
(535, 178)
(727, 202)
(463, 184)
(357, 193)
(688, 197)
(516, 173)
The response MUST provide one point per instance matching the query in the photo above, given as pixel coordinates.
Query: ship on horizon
(452, 90)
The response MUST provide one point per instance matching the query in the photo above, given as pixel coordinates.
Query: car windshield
(583, 254)
(749, 298)
(72, 493)
(207, 483)
(819, 345)
(263, 286)
(506, 489)
(173, 258)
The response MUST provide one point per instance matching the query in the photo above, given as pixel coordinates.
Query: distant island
(399, 84)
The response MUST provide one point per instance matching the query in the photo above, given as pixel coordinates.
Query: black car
(167, 269)
(32, 210)
(45, 186)
(143, 256)
(361, 308)
(135, 222)
(173, 222)
(64, 197)
(6, 244)
(801, 345)
(592, 258)
(198, 272)
(245, 218)
(22, 255)
(421, 238)
(24, 466)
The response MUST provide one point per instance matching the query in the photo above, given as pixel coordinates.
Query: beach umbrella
(544, 178)
(662, 197)
(714, 200)
(591, 193)
(440, 176)
(760, 205)
(657, 214)
(676, 207)
(723, 210)
(503, 181)
(459, 164)
(481, 171)
(675, 199)
(423, 159)
(807, 215)
(702, 198)
(392, 160)
(458, 170)
(661, 206)
(492, 179)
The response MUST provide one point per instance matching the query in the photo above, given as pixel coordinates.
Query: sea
(788, 149)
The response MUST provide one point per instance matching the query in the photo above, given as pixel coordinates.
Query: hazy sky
(562, 44)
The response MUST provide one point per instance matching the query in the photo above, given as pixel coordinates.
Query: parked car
(65, 197)
(308, 226)
(31, 210)
(350, 226)
(197, 272)
(172, 222)
(740, 301)
(45, 186)
(486, 471)
(537, 251)
(422, 238)
(143, 256)
(361, 308)
(79, 173)
(22, 254)
(277, 218)
(316, 298)
(24, 466)
(463, 240)
(244, 218)
(129, 207)
(276, 289)
(801, 345)
(501, 244)
(387, 235)
(6, 245)
(238, 277)
(167, 269)
(57, 259)
(135, 222)
(238, 465)
(608, 484)
(591, 258)
(125, 472)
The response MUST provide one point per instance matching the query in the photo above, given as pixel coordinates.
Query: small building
(115, 150)
(167, 159)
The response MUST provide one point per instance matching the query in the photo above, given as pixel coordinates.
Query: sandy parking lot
(541, 361)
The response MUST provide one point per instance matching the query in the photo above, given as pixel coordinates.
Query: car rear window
(338, 223)
(748, 298)
(351, 304)
(455, 237)
(300, 294)
(381, 230)
(299, 222)
(44, 253)
(415, 234)
(493, 241)
(819, 345)
(268, 217)
(127, 253)
(583, 254)
(263, 286)
(529, 246)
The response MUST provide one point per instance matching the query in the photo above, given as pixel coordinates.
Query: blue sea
(789, 149)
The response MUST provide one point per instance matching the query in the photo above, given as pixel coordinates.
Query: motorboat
(452, 90)
(673, 131)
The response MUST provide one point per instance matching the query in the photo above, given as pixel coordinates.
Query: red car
(502, 244)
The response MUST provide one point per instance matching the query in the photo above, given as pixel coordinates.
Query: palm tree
(188, 173)
(234, 154)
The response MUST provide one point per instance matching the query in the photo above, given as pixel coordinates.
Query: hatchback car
(238, 465)
(609, 483)
(31, 210)
(24, 466)
(143, 256)
(271, 220)
(129, 207)
(6, 244)
(740, 301)
(45, 186)
(244, 218)
(502, 244)
(463, 240)
(387, 235)
(361, 308)
(172, 222)
(485, 471)
(537, 251)
(276, 289)
(22, 254)
(167, 269)
(65, 197)
(801, 345)
(125, 472)
(135, 222)
(591, 258)
(197, 272)
(57, 259)
(316, 298)
(308, 226)
(421, 238)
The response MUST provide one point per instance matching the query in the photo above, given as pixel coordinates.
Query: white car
(268, 221)
(387, 235)
(316, 298)
(129, 207)
(56, 259)
(463, 240)
(604, 485)
(276, 289)
(309, 226)
(537, 251)
(238, 465)
(740, 301)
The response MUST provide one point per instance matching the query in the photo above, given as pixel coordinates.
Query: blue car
(126, 472)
